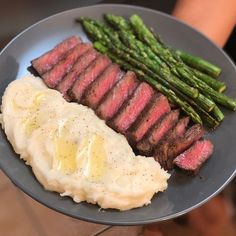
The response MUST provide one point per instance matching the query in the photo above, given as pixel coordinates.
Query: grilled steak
(158, 131)
(117, 96)
(193, 158)
(101, 86)
(178, 131)
(81, 64)
(56, 74)
(88, 76)
(45, 62)
(132, 109)
(157, 108)
(167, 154)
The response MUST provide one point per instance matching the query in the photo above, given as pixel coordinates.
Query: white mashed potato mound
(73, 152)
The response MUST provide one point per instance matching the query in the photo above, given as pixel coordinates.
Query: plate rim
(93, 220)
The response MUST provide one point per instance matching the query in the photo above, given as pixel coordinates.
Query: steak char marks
(45, 62)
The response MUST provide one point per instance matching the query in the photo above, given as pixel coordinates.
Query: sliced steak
(166, 155)
(117, 96)
(81, 64)
(101, 86)
(158, 131)
(88, 76)
(178, 131)
(192, 159)
(132, 109)
(56, 74)
(157, 108)
(45, 62)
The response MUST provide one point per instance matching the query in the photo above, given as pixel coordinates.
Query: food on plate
(132, 45)
(88, 76)
(73, 152)
(166, 154)
(45, 62)
(158, 132)
(55, 75)
(151, 124)
(192, 159)
(154, 111)
(133, 108)
(116, 97)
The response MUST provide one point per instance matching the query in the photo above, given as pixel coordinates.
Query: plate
(184, 192)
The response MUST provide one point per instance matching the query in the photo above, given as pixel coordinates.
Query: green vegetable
(200, 64)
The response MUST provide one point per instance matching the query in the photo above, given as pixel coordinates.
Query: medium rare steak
(178, 131)
(132, 109)
(157, 108)
(192, 159)
(45, 62)
(117, 96)
(166, 155)
(101, 86)
(56, 74)
(158, 131)
(88, 76)
(81, 64)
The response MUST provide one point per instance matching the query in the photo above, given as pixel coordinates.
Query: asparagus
(168, 92)
(196, 62)
(130, 41)
(107, 37)
(146, 35)
(217, 113)
(200, 64)
(215, 84)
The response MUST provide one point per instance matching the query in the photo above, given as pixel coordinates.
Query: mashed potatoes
(73, 152)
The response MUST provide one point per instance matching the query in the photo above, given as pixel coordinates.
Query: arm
(214, 18)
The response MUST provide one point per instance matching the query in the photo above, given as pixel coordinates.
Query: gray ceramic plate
(184, 192)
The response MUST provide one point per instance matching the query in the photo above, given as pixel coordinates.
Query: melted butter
(31, 122)
(65, 151)
(97, 159)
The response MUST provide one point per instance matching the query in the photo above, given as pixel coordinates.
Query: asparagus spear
(196, 62)
(199, 64)
(168, 92)
(145, 34)
(215, 84)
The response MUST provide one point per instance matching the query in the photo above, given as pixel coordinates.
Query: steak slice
(81, 64)
(117, 96)
(56, 74)
(178, 131)
(101, 86)
(158, 131)
(88, 76)
(45, 62)
(157, 108)
(132, 109)
(192, 159)
(167, 154)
